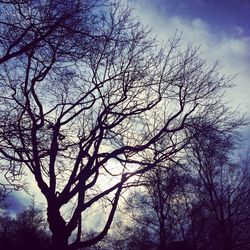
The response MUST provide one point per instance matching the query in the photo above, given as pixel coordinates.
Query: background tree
(88, 101)
(201, 199)
(128, 235)
(160, 204)
(27, 230)
(222, 195)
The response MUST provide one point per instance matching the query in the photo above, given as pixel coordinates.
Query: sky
(221, 28)
(228, 16)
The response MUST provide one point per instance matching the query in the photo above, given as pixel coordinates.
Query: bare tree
(223, 197)
(87, 100)
(27, 230)
(160, 204)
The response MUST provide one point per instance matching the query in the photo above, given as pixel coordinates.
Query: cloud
(231, 50)
(238, 31)
(14, 204)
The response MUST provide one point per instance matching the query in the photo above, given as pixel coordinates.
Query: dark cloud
(15, 203)
(223, 15)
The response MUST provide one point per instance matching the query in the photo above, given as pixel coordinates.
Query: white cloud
(238, 31)
(233, 52)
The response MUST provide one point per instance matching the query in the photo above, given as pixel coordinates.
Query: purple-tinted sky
(223, 15)
(221, 28)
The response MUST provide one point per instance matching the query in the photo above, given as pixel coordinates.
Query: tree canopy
(90, 101)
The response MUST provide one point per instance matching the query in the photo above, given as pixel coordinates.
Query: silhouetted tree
(131, 236)
(160, 203)
(180, 245)
(223, 199)
(88, 98)
(28, 230)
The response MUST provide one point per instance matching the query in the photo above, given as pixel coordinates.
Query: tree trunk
(59, 241)
(57, 226)
(162, 233)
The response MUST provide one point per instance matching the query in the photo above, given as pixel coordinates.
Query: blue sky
(230, 16)
(220, 28)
